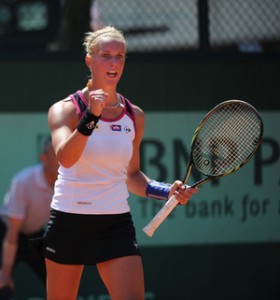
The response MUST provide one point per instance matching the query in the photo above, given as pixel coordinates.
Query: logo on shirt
(50, 249)
(83, 203)
(135, 244)
(115, 127)
(127, 129)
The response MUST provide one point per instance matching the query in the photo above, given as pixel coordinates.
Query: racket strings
(226, 139)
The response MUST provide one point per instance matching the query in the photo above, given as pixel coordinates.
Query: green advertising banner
(243, 207)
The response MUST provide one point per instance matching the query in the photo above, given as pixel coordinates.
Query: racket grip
(160, 216)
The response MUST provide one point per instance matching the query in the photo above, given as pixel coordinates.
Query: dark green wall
(154, 82)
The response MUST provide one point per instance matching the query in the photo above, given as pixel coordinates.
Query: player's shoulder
(138, 113)
(62, 112)
(137, 109)
(139, 118)
(62, 105)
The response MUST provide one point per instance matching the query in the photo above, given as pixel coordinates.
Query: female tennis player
(96, 135)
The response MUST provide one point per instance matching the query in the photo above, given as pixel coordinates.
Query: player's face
(107, 61)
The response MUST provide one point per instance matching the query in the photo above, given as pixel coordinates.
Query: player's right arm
(68, 143)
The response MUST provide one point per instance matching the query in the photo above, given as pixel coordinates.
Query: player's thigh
(123, 277)
(63, 280)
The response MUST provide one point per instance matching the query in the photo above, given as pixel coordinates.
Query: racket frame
(150, 228)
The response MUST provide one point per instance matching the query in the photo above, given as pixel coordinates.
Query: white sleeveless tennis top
(96, 183)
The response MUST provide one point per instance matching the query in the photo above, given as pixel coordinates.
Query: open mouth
(112, 74)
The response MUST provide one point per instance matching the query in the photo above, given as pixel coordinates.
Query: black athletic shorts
(88, 239)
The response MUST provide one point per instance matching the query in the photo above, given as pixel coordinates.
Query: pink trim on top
(83, 98)
(80, 113)
(114, 119)
(125, 112)
(132, 117)
(76, 105)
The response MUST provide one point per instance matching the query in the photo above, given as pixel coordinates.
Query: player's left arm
(136, 180)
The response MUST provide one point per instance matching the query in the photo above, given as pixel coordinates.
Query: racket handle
(160, 216)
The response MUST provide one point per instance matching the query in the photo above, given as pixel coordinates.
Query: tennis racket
(224, 141)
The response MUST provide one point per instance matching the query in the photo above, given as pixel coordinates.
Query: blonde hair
(92, 38)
